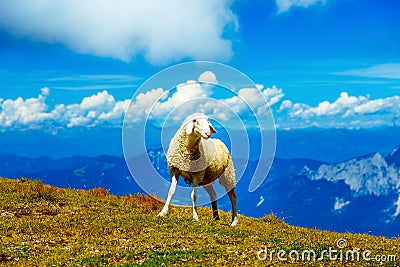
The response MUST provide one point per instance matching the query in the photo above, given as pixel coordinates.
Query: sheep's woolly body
(205, 161)
(200, 161)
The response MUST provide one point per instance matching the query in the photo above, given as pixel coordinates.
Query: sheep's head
(199, 124)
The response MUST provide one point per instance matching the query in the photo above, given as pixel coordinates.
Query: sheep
(200, 160)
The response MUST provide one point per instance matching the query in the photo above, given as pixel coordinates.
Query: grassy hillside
(46, 226)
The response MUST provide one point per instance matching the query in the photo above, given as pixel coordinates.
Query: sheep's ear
(213, 131)
(190, 127)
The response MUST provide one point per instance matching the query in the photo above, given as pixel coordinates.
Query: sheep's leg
(194, 197)
(213, 197)
(232, 197)
(171, 192)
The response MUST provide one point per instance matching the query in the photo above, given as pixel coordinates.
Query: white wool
(176, 158)
(200, 161)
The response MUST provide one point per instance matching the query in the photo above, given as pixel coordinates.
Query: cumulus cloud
(389, 104)
(272, 94)
(140, 108)
(285, 5)
(24, 111)
(92, 110)
(155, 104)
(102, 108)
(101, 99)
(162, 31)
(35, 113)
(258, 99)
(183, 98)
(116, 112)
(208, 76)
(345, 111)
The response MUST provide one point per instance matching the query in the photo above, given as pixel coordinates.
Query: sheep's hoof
(162, 213)
(234, 222)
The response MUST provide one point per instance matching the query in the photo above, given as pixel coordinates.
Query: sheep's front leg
(171, 192)
(194, 197)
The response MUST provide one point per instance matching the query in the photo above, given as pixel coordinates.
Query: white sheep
(200, 160)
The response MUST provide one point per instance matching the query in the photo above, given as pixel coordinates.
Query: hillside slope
(46, 226)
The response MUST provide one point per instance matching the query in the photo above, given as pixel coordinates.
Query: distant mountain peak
(366, 175)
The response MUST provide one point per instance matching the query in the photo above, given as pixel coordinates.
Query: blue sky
(326, 63)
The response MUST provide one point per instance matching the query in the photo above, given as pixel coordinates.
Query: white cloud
(208, 76)
(140, 108)
(101, 99)
(273, 95)
(182, 97)
(387, 105)
(102, 108)
(92, 110)
(258, 99)
(340, 203)
(387, 71)
(344, 106)
(162, 31)
(370, 106)
(45, 91)
(78, 121)
(93, 82)
(35, 113)
(24, 112)
(117, 111)
(114, 78)
(345, 111)
(285, 5)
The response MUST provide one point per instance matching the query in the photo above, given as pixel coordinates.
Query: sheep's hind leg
(232, 197)
(213, 197)
(171, 192)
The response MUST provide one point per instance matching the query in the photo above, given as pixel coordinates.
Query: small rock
(6, 214)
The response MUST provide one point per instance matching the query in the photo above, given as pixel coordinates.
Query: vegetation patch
(45, 226)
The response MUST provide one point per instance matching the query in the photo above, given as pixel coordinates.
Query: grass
(47, 226)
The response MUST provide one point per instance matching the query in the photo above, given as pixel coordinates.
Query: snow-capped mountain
(358, 195)
(369, 175)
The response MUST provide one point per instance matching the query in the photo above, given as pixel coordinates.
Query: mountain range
(359, 195)
(334, 145)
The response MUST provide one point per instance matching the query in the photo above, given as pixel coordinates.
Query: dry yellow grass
(46, 226)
